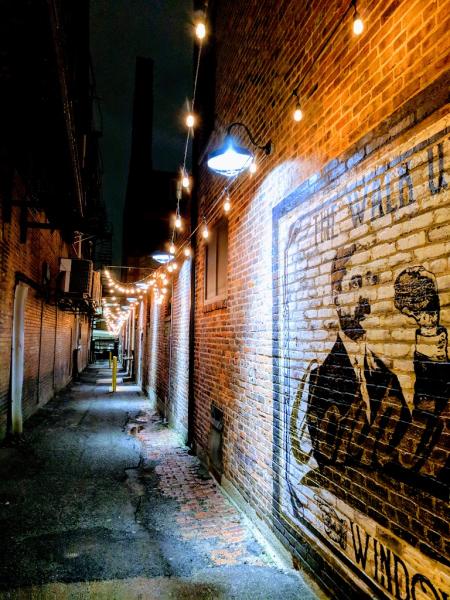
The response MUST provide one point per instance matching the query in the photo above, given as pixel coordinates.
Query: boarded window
(216, 262)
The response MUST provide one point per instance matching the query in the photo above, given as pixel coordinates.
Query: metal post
(110, 359)
(114, 373)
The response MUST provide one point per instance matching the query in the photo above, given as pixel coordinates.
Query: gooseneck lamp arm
(268, 147)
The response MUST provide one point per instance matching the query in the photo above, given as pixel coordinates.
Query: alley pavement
(100, 499)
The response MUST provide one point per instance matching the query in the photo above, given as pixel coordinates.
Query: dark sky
(120, 31)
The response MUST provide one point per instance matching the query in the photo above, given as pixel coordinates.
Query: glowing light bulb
(185, 181)
(358, 24)
(170, 268)
(205, 232)
(226, 204)
(200, 30)
(253, 167)
(174, 266)
(178, 222)
(190, 120)
(172, 248)
(298, 114)
(164, 291)
(187, 251)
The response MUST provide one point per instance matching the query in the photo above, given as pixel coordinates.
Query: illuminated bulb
(185, 181)
(226, 205)
(205, 232)
(174, 266)
(170, 268)
(164, 290)
(252, 167)
(187, 251)
(172, 248)
(159, 300)
(178, 222)
(298, 114)
(200, 30)
(358, 25)
(190, 120)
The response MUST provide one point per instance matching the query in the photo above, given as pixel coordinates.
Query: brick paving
(206, 517)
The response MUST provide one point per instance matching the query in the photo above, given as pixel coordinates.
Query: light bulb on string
(200, 30)
(298, 113)
(205, 232)
(187, 251)
(178, 222)
(174, 266)
(190, 120)
(227, 204)
(172, 248)
(185, 180)
(358, 24)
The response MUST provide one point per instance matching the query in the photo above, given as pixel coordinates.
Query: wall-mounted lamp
(230, 159)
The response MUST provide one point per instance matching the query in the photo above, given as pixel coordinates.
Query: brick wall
(157, 345)
(179, 363)
(339, 442)
(165, 354)
(49, 332)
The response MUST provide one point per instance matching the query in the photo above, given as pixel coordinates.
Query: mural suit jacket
(341, 430)
(342, 433)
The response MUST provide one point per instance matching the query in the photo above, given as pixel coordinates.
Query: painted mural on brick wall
(362, 311)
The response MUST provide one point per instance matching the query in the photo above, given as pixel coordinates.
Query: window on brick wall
(216, 263)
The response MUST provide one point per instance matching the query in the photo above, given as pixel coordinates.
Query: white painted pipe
(18, 356)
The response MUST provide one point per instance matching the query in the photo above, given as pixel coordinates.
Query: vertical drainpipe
(17, 358)
(167, 402)
(191, 389)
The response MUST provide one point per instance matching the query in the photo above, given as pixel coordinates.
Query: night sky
(120, 31)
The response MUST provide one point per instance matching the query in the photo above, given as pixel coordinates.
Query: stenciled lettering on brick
(364, 372)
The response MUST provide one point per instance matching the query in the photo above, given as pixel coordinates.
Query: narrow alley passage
(101, 500)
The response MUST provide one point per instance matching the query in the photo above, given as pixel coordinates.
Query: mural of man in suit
(356, 412)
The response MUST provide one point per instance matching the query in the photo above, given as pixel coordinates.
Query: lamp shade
(229, 159)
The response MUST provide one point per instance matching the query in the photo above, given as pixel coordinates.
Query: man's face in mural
(353, 294)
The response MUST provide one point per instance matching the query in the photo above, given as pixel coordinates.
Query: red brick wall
(179, 364)
(167, 336)
(157, 350)
(46, 328)
(367, 102)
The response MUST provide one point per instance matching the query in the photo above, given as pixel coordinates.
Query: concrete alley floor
(100, 500)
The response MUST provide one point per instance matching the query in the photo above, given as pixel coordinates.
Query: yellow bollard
(114, 373)
(110, 363)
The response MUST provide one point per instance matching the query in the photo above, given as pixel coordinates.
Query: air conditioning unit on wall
(76, 276)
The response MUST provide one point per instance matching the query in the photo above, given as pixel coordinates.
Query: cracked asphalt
(89, 509)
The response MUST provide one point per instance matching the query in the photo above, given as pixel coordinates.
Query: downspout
(191, 384)
(17, 358)
(169, 382)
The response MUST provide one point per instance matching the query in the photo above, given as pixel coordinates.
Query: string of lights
(158, 279)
